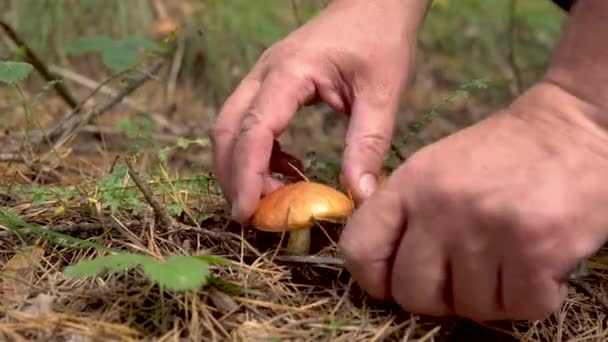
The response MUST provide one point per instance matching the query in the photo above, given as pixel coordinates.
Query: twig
(175, 68)
(39, 65)
(595, 295)
(398, 153)
(106, 90)
(77, 227)
(93, 226)
(11, 158)
(60, 133)
(512, 63)
(296, 12)
(311, 259)
(165, 220)
(99, 87)
(219, 235)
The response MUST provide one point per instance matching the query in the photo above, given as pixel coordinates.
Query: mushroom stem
(299, 242)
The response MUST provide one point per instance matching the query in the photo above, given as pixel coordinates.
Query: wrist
(580, 64)
(405, 15)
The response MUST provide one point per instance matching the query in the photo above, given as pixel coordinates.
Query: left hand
(488, 222)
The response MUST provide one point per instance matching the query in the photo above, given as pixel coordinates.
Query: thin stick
(175, 68)
(106, 90)
(164, 220)
(94, 226)
(39, 65)
(298, 171)
(77, 227)
(398, 153)
(595, 295)
(60, 133)
(310, 259)
(11, 158)
(512, 63)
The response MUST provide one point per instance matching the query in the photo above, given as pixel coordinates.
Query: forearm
(404, 16)
(580, 63)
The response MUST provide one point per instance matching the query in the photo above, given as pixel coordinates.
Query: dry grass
(258, 295)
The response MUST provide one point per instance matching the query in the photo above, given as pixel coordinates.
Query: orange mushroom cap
(298, 205)
(166, 27)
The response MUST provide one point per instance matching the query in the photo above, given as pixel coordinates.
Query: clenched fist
(488, 222)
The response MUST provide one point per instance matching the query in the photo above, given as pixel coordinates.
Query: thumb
(371, 237)
(368, 141)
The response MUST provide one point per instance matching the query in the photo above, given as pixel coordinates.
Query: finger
(280, 97)
(476, 283)
(421, 274)
(226, 128)
(531, 294)
(368, 141)
(370, 237)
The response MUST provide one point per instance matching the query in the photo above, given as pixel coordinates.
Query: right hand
(355, 56)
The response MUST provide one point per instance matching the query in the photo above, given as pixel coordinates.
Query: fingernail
(368, 184)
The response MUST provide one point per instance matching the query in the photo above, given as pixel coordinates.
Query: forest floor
(88, 186)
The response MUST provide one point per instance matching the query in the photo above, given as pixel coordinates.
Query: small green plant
(426, 119)
(41, 195)
(177, 273)
(116, 54)
(12, 73)
(139, 130)
(182, 143)
(117, 190)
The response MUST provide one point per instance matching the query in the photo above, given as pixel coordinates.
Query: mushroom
(295, 207)
(166, 25)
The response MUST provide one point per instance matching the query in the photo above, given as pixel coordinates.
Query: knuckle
(543, 234)
(266, 54)
(373, 143)
(252, 119)
(298, 70)
(218, 133)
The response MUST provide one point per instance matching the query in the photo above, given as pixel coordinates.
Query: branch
(39, 65)
(103, 88)
(11, 158)
(164, 220)
(78, 118)
(512, 63)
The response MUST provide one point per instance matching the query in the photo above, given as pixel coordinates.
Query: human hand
(355, 57)
(488, 222)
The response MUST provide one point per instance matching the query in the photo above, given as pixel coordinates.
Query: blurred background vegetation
(506, 41)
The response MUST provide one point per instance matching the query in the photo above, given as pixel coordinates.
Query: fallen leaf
(17, 274)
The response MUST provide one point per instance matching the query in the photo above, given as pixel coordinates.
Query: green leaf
(15, 223)
(14, 72)
(95, 43)
(211, 259)
(179, 272)
(183, 142)
(174, 209)
(138, 42)
(106, 264)
(120, 57)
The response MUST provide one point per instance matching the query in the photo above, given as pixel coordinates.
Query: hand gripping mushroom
(295, 207)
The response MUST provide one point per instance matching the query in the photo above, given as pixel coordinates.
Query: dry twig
(164, 220)
(39, 65)
(70, 125)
